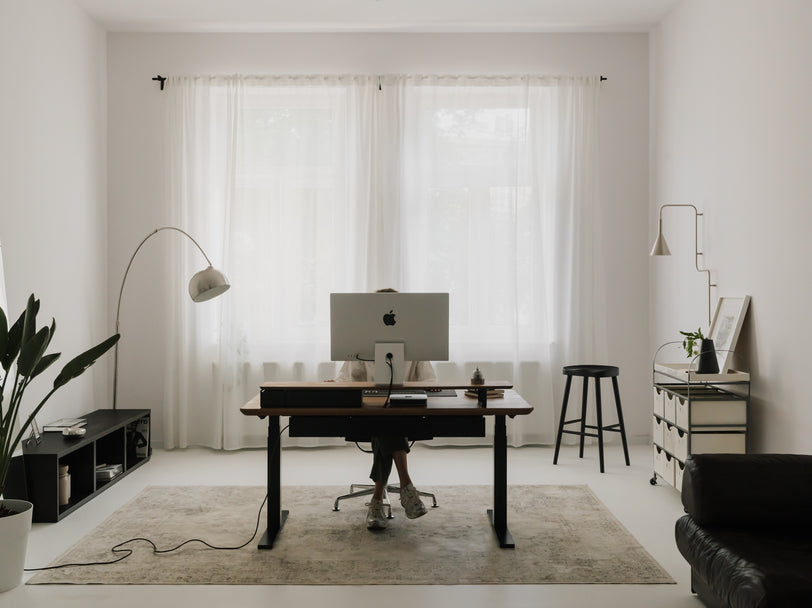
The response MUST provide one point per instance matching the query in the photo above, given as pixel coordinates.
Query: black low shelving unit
(111, 439)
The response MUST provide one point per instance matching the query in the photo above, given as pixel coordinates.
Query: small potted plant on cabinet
(696, 344)
(23, 357)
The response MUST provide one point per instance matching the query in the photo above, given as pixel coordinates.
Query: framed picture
(35, 435)
(724, 331)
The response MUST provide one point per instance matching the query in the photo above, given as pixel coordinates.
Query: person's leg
(382, 450)
(401, 464)
(409, 497)
(381, 468)
(387, 450)
(377, 493)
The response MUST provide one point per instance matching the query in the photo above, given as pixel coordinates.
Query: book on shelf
(106, 472)
(493, 393)
(64, 423)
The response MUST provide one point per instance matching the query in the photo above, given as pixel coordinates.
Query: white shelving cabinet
(696, 414)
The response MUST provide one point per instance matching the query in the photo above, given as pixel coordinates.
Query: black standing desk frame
(276, 516)
(497, 515)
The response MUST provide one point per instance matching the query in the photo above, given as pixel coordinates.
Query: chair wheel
(653, 481)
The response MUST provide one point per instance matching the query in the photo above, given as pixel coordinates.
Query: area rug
(563, 534)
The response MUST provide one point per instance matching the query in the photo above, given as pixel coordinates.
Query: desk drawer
(710, 409)
(711, 442)
(361, 428)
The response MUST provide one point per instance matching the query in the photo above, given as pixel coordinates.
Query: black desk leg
(276, 516)
(498, 515)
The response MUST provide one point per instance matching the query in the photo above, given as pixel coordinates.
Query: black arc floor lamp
(204, 285)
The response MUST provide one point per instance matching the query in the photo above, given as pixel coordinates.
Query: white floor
(647, 511)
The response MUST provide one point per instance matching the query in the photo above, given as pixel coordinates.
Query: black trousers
(382, 450)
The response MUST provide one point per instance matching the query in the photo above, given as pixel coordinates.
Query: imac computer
(389, 328)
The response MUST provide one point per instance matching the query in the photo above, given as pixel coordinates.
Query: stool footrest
(612, 427)
(585, 434)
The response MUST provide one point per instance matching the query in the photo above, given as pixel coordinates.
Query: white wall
(135, 159)
(52, 183)
(732, 134)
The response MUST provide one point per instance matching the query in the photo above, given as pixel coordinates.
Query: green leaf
(51, 333)
(44, 364)
(76, 366)
(3, 332)
(30, 319)
(32, 351)
(15, 337)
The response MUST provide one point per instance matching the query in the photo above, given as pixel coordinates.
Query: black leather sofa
(748, 530)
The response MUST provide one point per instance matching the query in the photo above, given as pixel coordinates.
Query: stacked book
(493, 393)
(106, 472)
(63, 423)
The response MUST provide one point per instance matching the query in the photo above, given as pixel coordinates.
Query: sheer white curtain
(498, 202)
(300, 186)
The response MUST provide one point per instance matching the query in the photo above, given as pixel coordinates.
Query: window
(311, 185)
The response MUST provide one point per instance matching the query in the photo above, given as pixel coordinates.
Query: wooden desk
(440, 417)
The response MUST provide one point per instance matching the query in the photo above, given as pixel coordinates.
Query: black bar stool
(587, 372)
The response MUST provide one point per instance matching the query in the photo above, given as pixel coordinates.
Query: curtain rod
(162, 80)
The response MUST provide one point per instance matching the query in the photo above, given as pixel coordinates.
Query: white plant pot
(14, 532)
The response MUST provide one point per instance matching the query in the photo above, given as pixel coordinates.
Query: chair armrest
(749, 490)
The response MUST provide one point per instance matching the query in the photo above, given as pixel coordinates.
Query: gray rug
(563, 534)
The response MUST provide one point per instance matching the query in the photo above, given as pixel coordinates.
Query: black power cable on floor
(119, 548)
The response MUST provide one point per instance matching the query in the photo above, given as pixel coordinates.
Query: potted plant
(695, 344)
(23, 357)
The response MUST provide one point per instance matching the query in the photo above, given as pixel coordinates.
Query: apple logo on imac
(389, 318)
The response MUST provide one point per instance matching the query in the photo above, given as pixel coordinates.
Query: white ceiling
(378, 15)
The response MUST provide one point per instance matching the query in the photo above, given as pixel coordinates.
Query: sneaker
(376, 515)
(410, 500)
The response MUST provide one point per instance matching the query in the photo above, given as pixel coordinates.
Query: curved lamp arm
(661, 248)
(204, 285)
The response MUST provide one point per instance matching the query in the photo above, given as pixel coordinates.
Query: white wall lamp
(204, 285)
(661, 248)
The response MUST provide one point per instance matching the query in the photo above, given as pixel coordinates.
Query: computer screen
(416, 321)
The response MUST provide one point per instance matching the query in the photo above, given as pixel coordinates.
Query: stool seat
(586, 372)
(592, 371)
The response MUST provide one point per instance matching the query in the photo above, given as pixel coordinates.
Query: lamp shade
(660, 246)
(207, 284)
